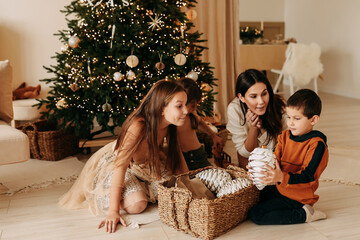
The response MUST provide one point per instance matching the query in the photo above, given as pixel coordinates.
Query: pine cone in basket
(234, 186)
(214, 178)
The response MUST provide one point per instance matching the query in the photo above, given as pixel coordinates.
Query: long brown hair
(272, 119)
(150, 113)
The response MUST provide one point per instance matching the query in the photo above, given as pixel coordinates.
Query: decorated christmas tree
(114, 51)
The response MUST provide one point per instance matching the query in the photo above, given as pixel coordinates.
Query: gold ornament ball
(206, 87)
(193, 75)
(191, 14)
(74, 41)
(132, 61)
(118, 76)
(180, 59)
(130, 75)
(160, 66)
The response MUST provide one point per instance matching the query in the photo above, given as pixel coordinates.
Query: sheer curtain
(218, 20)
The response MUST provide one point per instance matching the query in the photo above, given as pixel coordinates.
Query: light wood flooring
(34, 215)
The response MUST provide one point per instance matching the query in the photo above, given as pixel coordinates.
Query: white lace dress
(92, 188)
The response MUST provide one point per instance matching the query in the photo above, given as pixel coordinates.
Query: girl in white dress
(123, 174)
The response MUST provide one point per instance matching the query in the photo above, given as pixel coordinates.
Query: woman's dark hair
(194, 95)
(149, 113)
(272, 119)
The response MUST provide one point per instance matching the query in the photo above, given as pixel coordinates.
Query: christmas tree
(114, 51)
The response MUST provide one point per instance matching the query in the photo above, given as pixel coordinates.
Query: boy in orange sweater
(302, 156)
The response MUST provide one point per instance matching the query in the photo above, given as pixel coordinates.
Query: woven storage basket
(48, 143)
(203, 218)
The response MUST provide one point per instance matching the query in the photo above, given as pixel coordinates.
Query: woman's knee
(136, 207)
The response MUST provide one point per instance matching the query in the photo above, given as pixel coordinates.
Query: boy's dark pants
(275, 208)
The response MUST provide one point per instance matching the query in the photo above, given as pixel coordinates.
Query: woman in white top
(254, 115)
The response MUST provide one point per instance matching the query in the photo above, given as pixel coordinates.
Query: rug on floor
(21, 177)
(343, 165)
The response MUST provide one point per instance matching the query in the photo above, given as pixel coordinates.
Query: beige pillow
(6, 110)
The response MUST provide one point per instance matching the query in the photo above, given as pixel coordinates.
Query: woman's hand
(272, 175)
(253, 119)
(111, 221)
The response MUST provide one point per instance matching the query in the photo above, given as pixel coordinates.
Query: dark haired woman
(255, 114)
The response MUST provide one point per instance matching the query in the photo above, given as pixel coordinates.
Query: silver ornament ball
(74, 41)
(118, 76)
(193, 75)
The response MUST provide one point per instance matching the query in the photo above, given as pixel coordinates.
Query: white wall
(27, 28)
(261, 10)
(26, 37)
(334, 25)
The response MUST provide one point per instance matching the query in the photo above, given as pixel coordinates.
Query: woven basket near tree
(49, 143)
(204, 218)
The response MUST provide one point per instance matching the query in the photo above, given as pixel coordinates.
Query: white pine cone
(214, 178)
(234, 186)
(258, 158)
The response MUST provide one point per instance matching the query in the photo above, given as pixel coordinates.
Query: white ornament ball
(130, 75)
(118, 76)
(191, 14)
(206, 87)
(193, 75)
(132, 61)
(74, 41)
(180, 59)
(64, 48)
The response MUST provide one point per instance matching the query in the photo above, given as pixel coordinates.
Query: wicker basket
(203, 218)
(48, 143)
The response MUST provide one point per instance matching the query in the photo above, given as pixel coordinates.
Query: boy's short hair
(306, 99)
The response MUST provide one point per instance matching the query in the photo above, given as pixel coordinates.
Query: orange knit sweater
(302, 160)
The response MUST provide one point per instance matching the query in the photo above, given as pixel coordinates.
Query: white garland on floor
(60, 180)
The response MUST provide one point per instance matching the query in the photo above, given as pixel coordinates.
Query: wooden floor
(34, 215)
